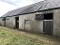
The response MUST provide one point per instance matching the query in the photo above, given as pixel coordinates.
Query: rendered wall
(10, 22)
(1, 22)
(28, 23)
(57, 22)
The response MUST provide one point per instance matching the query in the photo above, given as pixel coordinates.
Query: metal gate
(48, 26)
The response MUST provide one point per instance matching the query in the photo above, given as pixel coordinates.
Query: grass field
(13, 37)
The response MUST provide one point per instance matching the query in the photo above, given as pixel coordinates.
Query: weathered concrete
(57, 22)
(1, 22)
(10, 22)
(29, 23)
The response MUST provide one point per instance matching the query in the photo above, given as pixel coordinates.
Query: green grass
(13, 37)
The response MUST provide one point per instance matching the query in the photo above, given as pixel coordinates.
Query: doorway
(17, 22)
(4, 20)
(48, 23)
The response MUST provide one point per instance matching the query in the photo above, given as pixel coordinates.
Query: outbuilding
(41, 17)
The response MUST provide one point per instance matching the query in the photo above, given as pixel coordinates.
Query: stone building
(41, 17)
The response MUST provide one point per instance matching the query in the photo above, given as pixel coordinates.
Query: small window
(48, 16)
(39, 17)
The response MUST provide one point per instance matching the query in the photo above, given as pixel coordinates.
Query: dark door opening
(17, 22)
(48, 23)
(4, 19)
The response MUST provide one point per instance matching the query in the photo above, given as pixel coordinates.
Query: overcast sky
(7, 5)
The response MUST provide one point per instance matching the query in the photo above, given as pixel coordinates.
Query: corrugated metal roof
(26, 9)
(35, 7)
(51, 4)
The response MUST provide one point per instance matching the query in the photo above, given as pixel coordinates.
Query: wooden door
(48, 27)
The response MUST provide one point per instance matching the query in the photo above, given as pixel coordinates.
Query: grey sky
(21, 2)
(7, 5)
